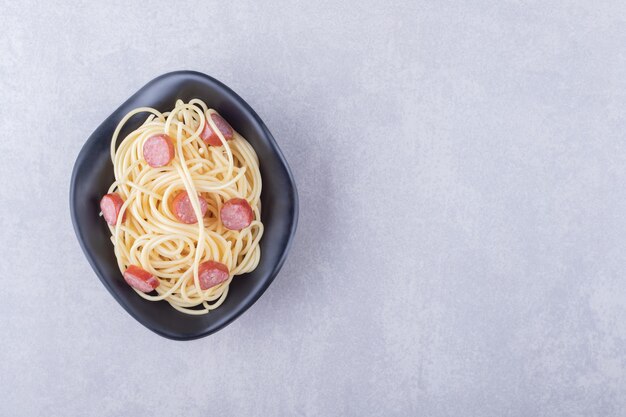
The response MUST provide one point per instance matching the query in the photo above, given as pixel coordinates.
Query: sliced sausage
(140, 279)
(236, 214)
(210, 137)
(211, 273)
(183, 210)
(158, 150)
(110, 205)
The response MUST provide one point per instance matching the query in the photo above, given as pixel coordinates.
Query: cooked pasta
(168, 174)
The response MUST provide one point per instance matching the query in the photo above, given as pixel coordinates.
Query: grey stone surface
(462, 239)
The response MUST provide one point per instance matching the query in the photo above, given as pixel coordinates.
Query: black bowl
(93, 174)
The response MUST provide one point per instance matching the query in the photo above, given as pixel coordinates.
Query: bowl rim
(78, 228)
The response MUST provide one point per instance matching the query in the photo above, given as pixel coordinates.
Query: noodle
(152, 237)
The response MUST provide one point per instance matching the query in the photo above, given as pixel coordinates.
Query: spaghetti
(147, 231)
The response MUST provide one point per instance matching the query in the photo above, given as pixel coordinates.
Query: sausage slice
(183, 210)
(140, 279)
(210, 137)
(110, 205)
(236, 214)
(158, 150)
(212, 273)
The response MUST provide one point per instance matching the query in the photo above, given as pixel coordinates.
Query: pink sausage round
(183, 210)
(212, 273)
(236, 214)
(110, 205)
(210, 137)
(140, 279)
(158, 150)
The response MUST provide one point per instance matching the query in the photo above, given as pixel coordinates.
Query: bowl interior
(93, 174)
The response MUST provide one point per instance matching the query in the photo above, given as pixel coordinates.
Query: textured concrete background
(462, 239)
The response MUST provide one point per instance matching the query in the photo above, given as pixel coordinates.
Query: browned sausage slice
(183, 210)
(111, 204)
(140, 279)
(158, 150)
(236, 214)
(210, 137)
(211, 273)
